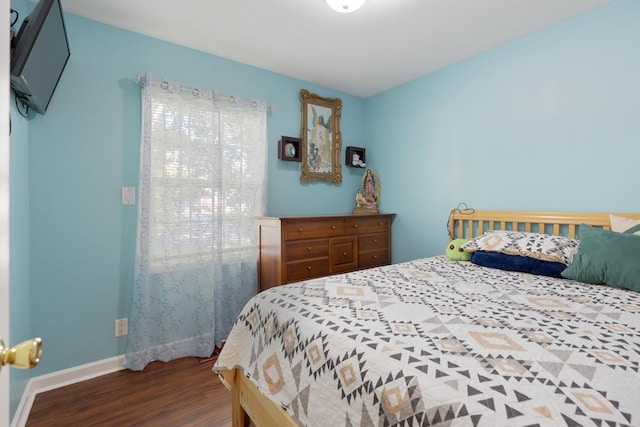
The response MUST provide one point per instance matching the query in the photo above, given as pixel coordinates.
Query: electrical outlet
(122, 327)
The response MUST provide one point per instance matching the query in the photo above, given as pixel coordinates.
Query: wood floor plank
(183, 392)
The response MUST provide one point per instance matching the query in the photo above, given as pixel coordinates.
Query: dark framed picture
(355, 157)
(290, 149)
(321, 138)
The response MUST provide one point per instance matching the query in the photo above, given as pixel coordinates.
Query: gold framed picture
(321, 138)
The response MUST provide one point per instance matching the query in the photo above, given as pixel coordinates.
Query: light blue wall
(548, 122)
(86, 148)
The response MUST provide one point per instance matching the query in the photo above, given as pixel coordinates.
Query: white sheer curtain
(202, 184)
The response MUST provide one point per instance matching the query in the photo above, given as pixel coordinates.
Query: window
(202, 185)
(206, 176)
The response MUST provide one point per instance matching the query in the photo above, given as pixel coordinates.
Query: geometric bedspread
(439, 342)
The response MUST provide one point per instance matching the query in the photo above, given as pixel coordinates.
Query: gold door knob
(25, 355)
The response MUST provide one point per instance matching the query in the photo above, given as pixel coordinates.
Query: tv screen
(40, 53)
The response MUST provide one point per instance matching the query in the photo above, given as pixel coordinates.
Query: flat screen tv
(40, 52)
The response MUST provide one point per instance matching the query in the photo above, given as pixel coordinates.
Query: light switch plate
(128, 195)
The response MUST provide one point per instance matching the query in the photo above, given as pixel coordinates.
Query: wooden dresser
(299, 248)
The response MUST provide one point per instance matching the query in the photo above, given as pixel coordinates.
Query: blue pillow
(518, 263)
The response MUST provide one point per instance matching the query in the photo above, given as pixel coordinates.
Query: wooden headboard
(469, 223)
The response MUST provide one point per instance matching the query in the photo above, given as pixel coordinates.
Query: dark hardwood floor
(183, 392)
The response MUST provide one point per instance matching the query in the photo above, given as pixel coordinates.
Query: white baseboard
(60, 379)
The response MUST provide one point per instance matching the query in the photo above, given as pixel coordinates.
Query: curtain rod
(142, 79)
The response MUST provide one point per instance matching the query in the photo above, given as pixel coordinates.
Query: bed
(441, 342)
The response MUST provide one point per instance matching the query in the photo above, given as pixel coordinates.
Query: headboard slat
(471, 223)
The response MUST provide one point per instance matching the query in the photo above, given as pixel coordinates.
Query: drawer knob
(344, 254)
(355, 225)
(333, 227)
(300, 230)
(309, 248)
(375, 240)
(381, 223)
(309, 268)
(375, 257)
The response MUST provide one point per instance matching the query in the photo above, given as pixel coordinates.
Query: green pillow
(606, 257)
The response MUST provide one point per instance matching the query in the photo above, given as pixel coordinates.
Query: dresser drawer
(370, 242)
(303, 249)
(306, 269)
(373, 258)
(310, 229)
(366, 225)
(344, 254)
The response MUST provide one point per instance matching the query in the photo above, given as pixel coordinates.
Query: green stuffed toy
(455, 252)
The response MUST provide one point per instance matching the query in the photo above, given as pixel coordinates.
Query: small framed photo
(290, 149)
(355, 157)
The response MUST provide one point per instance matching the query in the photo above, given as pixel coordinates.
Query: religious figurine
(359, 198)
(368, 195)
(356, 161)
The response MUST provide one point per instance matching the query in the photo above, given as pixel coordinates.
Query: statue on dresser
(368, 195)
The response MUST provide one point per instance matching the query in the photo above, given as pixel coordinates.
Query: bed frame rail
(249, 407)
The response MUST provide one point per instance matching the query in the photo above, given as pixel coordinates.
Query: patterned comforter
(438, 342)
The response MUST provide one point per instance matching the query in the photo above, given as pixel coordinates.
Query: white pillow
(622, 224)
(544, 247)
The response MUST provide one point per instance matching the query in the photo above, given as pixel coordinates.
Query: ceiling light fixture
(345, 6)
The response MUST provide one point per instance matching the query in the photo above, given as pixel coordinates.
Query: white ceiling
(382, 45)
